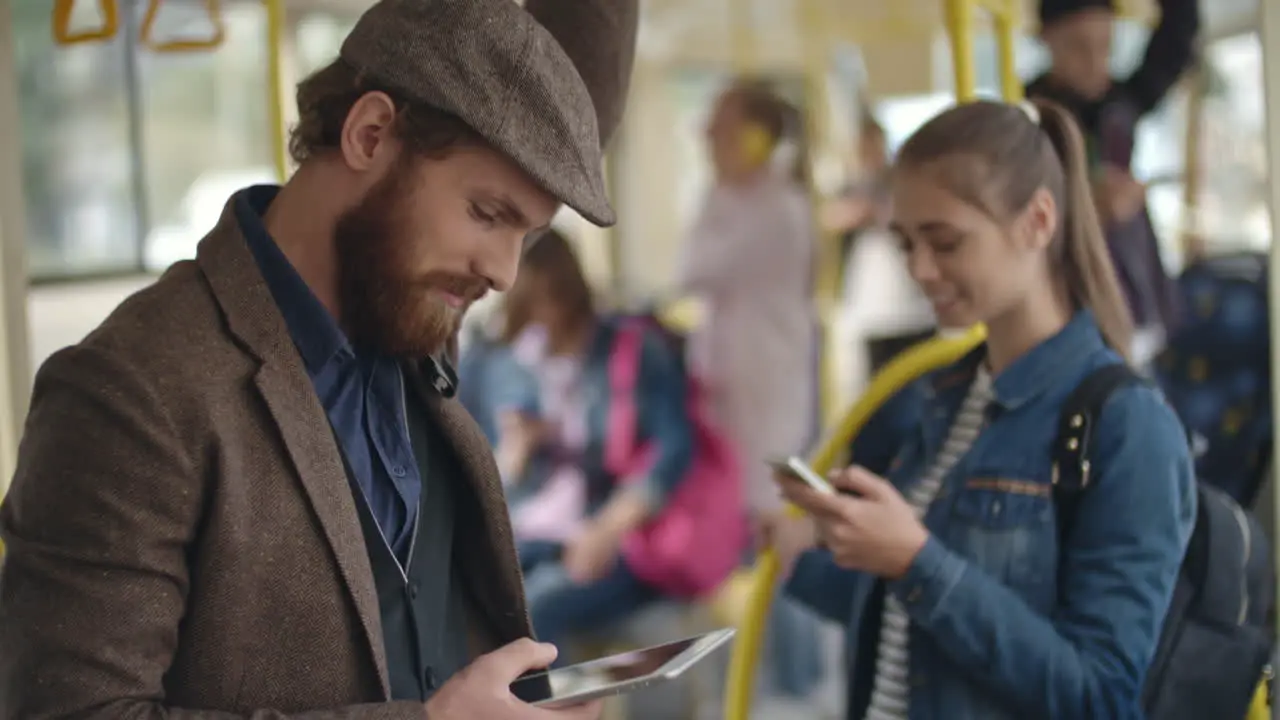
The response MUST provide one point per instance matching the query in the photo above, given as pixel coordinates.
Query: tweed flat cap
(599, 36)
(493, 65)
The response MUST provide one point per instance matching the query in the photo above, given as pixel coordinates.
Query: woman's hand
(519, 435)
(787, 535)
(873, 529)
(591, 554)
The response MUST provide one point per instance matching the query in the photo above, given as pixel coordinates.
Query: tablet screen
(598, 674)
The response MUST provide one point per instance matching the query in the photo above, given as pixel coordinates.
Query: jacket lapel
(493, 568)
(253, 317)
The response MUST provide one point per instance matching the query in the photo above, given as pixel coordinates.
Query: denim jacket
(662, 419)
(1004, 622)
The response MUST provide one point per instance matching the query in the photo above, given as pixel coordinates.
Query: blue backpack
(1215, 371)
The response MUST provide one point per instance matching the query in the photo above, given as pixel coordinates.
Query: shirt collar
(313, 329)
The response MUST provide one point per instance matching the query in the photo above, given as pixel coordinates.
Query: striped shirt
(890, 693)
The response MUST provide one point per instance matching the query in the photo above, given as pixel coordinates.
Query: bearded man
(249, 493)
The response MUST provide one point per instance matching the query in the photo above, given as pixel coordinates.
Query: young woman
(962, 600)
(570, 515)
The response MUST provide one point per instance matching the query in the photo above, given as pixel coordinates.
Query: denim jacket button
(914, 595)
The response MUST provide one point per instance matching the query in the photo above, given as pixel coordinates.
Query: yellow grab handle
(216, 36)
(959, 16)
(276, 89)
(62, 34)
(926, 357)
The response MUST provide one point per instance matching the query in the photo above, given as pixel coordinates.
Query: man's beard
(385, 307)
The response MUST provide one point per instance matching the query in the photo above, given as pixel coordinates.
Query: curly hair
(326, 97)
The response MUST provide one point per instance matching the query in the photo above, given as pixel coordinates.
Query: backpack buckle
(1072, 447)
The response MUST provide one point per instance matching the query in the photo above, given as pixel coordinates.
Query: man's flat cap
(491, 64)
(600, 37)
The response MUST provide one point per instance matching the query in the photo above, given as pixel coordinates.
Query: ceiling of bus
(863, 20)
(783, 26)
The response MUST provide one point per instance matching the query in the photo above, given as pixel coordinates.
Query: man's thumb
(515, 659)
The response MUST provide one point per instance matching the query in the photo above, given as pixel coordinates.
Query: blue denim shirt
(661, 416)
(1004, 622)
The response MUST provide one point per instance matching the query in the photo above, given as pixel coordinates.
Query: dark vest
(424, 623)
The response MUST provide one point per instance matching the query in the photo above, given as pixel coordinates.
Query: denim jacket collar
(1038, 370)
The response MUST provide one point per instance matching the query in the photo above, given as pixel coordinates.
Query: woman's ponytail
(1085, 260)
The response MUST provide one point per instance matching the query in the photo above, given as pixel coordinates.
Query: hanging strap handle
(218, 33)
(62, 33)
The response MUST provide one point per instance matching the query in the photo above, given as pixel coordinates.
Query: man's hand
(843, 214)
(592, 553)
(483, 688)
(1118, 194)
(518, 437)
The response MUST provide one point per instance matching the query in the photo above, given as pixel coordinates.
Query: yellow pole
(1005, 14)
(827, 271)
(276, 87)
(958, 16)
(742, 38)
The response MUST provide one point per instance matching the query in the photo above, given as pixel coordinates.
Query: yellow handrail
(901, 371)
(276, 88)
(216, 35)
(62, 34)
(959, 16)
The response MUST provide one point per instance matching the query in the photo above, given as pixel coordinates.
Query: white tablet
(618, 674)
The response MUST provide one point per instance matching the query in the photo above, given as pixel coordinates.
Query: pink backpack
(698, 539)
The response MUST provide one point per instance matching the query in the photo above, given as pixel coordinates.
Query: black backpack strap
(1072, 472)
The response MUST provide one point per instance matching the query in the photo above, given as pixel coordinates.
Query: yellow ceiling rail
(742, 37)
(276, 87)
(959, 17)
(62, 33)
(216, 35)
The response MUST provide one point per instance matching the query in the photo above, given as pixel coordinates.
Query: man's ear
(599, 36)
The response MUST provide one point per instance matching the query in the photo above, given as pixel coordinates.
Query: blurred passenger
(884, 309)
(953, 568)
(749, 256)
(864, 201)
(1078, 34)
(250, 493)
(490, 379)
(570, 514)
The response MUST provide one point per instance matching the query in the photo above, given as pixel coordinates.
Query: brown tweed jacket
(182, 541)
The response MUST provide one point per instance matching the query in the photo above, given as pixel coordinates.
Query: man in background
(1078, 35)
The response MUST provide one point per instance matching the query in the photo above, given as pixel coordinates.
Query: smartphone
(794, 467)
